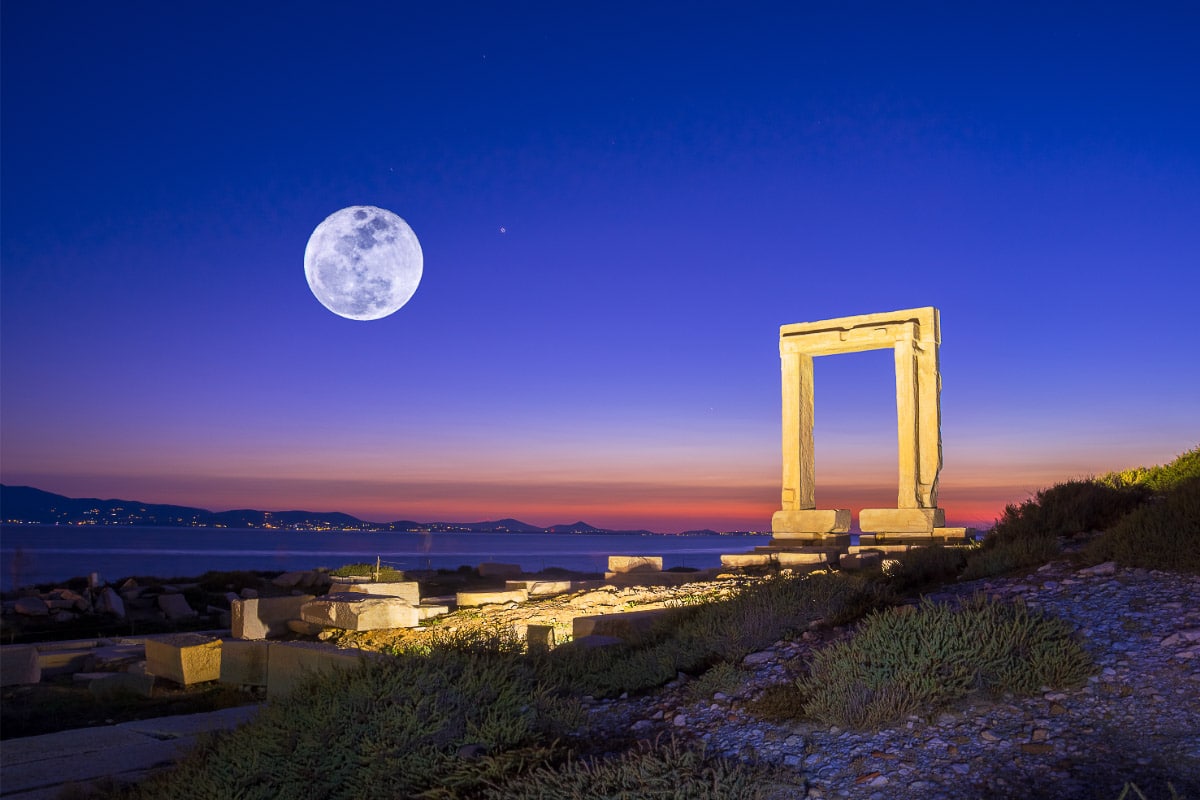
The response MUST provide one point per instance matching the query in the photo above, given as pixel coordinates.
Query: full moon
(363, 262)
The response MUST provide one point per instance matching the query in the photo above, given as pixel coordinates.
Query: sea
(35, 554)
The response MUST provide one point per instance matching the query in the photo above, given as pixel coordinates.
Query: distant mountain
(25, 504)
(701, 532)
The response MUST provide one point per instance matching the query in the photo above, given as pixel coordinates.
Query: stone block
(483, 598)
(799, 559)
(185, 658)
(901, 520)
(635, 564)
(626, 626)
(540, 588)
(810, 520)
(490, 569)
(747, 560)
(354, 611)
(264, 617)
(409, 591)
(175, 606)
(19, 665)
(244, 662)
(954, 535)
(430, 610)
(290, 663)
(288, 579)
(65, 661)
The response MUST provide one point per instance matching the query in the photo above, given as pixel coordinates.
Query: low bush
(1158, 479)
(907, 661)
(650, 772)
(1008, 555)
(1066, 509)
(392, 728)
(779, 703)
(722, 677)
(1159, 535)
(386, 574)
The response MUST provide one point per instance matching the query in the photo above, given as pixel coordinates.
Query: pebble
(1136, 720)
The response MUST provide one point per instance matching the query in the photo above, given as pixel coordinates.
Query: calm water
(42, 554)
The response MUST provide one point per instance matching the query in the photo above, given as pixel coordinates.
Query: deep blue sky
(619, 204)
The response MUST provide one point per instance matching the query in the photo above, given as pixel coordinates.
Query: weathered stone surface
(244, 663)
(409, 591)
(288, 579)
(490, 569)
(635, 563)
(482, 598)
(65, 660)
(175, 606)
(264, 617)
(185, 658)
(290, 663)
(31, 606)
(19, 664)
(355, 611)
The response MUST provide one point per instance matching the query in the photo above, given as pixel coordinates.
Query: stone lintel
(901, 520)
(810, 521)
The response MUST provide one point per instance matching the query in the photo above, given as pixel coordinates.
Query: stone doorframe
(914, 335)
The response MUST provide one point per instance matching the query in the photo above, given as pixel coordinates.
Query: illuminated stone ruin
(914, 336)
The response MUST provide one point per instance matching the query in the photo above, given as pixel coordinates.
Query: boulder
(175, 606)
(32, 607)
(111, 603)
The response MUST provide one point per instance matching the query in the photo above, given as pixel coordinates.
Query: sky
(619, 204)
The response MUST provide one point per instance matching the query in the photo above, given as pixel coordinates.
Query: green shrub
(1159, 479)
(779, 703)
(1159, 535)
(1078, 506)
(664, 772)
(1008, 555)
(386, 574)
(722, 677)
(391, 728)
(907, 661)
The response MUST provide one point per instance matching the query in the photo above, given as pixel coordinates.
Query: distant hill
(25, 504)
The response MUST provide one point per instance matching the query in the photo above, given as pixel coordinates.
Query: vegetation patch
(664, 772)
(385, 574)
(916, 660)
(1159, 535)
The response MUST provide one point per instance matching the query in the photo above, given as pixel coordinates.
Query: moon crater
(363, 262)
